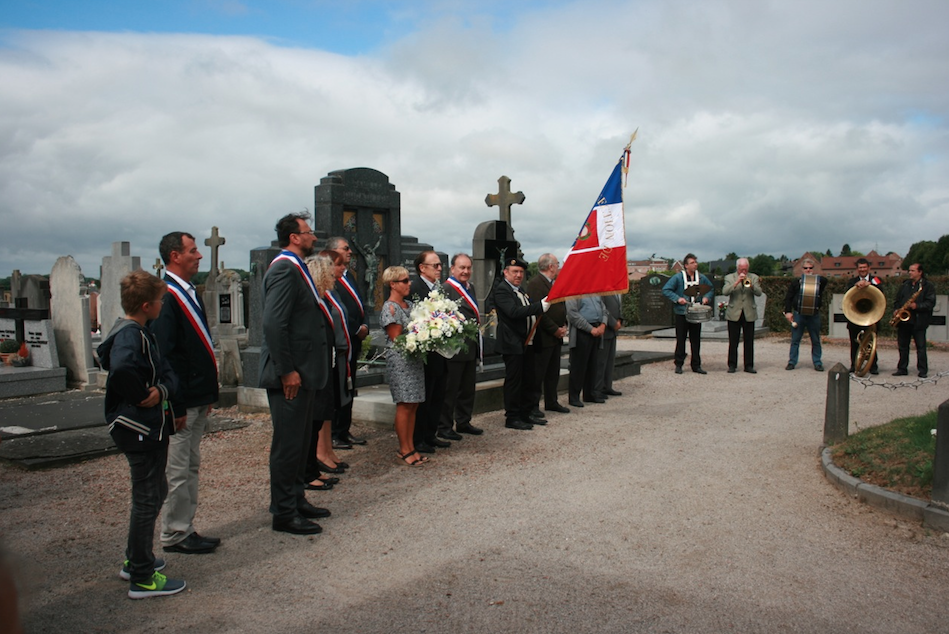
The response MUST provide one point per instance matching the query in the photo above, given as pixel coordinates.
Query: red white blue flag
(596, 263)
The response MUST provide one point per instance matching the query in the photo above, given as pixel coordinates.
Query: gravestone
(361, 205)
(15, 278)
(215, 242)
(41, 341)
(229, 303)
(654, 308)
(260, 259)
(35, 290)
(70, 316)
(114, 268)
(493, 242)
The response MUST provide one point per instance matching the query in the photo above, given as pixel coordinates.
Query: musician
(741, 288)
(798, 301)
(674, 290)
(920, 312)
(862, 280)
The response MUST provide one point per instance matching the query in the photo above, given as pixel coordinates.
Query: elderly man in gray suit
(294, 365)
(741, 288)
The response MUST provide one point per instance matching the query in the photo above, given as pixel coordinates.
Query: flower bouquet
(436, 326)
(722, 307)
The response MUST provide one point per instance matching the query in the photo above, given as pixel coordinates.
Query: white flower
(934, 432)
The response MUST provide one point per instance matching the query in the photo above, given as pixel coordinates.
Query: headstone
(228, 300)
(493, 242)
(70, 317)
(654, 308)
(15, 283)
(361, 205)
(260, 259)
(114, 268)
(504, 199)
(159, 266)
(35, 289)
(214, 242)
(41, 342)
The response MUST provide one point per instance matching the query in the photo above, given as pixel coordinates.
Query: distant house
(846, 266)
(638, 269)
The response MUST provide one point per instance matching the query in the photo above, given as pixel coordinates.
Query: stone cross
(504, 199)
(214, 242)
(158, 266)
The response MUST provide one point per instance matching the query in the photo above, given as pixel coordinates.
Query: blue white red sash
(466, 295)
(342, 313)
(194, 314)
(297, 262)
(352, 291)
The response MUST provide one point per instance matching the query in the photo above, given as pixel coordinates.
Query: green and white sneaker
(158, 586)
(125, 574)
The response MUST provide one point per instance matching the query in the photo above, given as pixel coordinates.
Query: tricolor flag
(596, 263)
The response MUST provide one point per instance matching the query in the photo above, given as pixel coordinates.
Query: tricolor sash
(466, 295)
(193, 312)
(342, 313)
(297, 262)
(352, 291)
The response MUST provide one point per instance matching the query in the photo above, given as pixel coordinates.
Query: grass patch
(896, 456)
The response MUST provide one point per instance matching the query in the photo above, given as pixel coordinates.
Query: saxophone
(903, 313)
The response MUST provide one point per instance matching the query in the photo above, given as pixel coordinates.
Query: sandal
(418, 462)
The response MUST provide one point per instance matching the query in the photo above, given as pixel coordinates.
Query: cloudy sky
(764, 126)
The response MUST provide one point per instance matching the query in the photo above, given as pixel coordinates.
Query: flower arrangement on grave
(436, 325)
(12, 352)
(722, 307)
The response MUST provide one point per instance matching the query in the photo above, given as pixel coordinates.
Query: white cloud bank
(764, 128)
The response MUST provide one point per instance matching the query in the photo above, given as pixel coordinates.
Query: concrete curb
(898, 504)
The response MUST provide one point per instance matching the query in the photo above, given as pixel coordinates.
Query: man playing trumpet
(918, 296)
(741, 288)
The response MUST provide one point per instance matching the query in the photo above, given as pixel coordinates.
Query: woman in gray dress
(406, 376)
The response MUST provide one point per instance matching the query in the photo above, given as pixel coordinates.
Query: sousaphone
(864, 307)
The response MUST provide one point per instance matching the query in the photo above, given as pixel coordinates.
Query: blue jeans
(149, 489)
(812, 323)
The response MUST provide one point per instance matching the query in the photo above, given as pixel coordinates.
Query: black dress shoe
(699, 370)
(557, 407)
(575, 402)
(751, 371)
(424, 447)
(342, 465)
(322, 466)
(612, 392)
(353, 440)
(923, 374)
(536, 413)
(191, 545)
(875, 371)
(434, 441)
(309, 511)
(297, 526)
(516, 424)
(595, 399)
(469, 429)
(449, 434)
(900, 373)
(328, 480)
(341, 443)
(732, 369)
(531, 420)
(211, 540)
(678, 369)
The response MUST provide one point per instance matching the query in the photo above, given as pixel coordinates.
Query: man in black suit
(862, 280)
(516, 321)
(548, 339)
(294, 365)
(429, 268)
(607, 357)
(348, 291)
(920, 312)
(184, 339)
(460, 385)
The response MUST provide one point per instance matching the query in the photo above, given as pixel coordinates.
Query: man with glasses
(429, 268)
(802, 310)
(347, 289)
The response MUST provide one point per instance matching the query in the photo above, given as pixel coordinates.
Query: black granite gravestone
(654, 308)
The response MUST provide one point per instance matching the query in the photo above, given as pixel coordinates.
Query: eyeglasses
(437, 265)
(808, 268)
(304, 233)
(405, 281)
(346, 248)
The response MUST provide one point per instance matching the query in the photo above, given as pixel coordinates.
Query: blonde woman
(406, 377)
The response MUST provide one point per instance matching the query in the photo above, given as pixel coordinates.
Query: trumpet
(746, 283)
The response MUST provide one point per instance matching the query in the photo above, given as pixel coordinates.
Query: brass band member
(674, 290)
(862, 280)
(920, 311)
(741, 288)
(793, 307)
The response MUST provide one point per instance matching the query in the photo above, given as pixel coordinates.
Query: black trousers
(429, 412)
(292, 427)
(546, 375)
(905, 333)
(745, 329)
(583, 362)
(459, 393)
(517, 375)
(685, 328)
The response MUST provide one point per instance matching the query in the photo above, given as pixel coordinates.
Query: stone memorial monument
(70, 317)
(114, 268)
(494, 240)
(655, 310)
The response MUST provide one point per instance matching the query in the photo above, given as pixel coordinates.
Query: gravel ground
(689, 504)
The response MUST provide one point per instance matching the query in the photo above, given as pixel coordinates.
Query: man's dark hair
(689, 256)
(289, 225)
(918, 266)
(863, 261)
(171, 243)
(460, 255)
(420, 260)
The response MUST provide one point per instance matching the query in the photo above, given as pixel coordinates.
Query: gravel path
(689, 504)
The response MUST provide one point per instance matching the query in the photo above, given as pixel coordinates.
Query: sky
(764, 126)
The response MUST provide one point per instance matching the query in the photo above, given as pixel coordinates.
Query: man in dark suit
(184, 339)
(862, 280)
(293, 367)
(607, 357)
(348, 291)
(548, 339)
(460, 385)
(516, 319)
(429, 268)
(920, 312)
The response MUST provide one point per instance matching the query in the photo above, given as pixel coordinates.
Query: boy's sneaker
(127, 576)
(158, 586)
